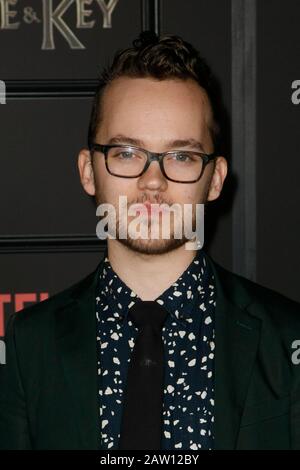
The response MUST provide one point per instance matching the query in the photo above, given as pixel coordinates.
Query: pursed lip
(153, 208)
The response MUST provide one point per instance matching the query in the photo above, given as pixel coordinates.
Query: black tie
(141, 425)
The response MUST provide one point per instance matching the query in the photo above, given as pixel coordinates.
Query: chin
(152, 247)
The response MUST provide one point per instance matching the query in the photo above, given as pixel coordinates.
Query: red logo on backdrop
(17, 302)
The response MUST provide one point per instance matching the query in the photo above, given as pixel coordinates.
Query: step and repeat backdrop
(51, 54)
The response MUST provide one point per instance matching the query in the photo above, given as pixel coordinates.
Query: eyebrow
(178, 143)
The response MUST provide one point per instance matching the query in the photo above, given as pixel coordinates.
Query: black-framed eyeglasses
(128, 161)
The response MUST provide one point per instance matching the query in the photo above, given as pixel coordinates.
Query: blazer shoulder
(264, 302)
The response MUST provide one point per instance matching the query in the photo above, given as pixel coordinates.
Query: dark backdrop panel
(40, 191)
(24, 56)
(207, 25)
(278, 146)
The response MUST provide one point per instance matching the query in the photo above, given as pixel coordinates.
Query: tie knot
(148, 313)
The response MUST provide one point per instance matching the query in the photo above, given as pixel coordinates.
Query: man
(78, 376)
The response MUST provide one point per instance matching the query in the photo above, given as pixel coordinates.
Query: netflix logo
(10, 303)
(14, 302)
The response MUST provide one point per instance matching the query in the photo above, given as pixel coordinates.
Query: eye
(182, 157)
(125, 155)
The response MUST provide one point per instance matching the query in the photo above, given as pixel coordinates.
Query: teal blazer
(49, 390)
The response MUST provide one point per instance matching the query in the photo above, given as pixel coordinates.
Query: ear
(86, 171)
(217, 180)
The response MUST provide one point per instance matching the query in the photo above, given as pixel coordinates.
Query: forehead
(151, 107)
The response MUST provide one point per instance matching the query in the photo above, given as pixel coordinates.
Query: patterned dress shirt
(188, 337)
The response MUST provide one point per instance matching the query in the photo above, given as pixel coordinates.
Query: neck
(148, 275)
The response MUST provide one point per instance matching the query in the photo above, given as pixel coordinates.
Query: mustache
(151, 200)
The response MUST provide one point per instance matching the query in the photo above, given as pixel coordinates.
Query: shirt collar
(196, 282)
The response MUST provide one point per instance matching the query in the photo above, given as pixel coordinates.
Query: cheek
(189, 195)
(113, 188)
(109, 186)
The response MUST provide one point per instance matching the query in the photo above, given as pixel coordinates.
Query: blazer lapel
(237, 337)
(76, 340)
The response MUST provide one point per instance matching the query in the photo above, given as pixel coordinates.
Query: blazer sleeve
(14, 427)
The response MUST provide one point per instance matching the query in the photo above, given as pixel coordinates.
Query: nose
(153, 177)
